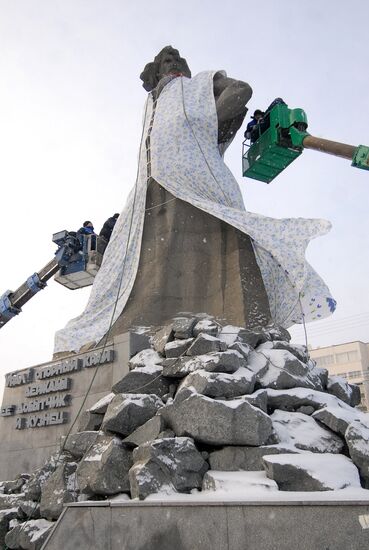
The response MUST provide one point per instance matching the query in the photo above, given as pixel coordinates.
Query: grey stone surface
(14, 486)
(10, 501)
(181, 366)
(176, 348)
(101, 406)
(292, 399)
(147, 432)
(89, 421)
(5, 517)
(161, 337)
(145, 358)
(29, 535)
(286, 371)
(227, 361)
(243, 349)
(337, 418)
(104, 468)
(127, 412)
(277, 333)
(357, 438)
(297, 350)
(77, 444)
(28, 509)
(215, 526)
(183, 327)
(221, 385)
(173, 463)
(306, 409)
(38, 478)
(206, 326)
(143, 380)
(258, 399)
(305, 433)
(349, 393)
(311, 472)
(217, 422)
(204, 343)
(244, 458)
(60, 488)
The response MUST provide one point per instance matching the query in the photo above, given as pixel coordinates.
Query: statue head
(168, 61)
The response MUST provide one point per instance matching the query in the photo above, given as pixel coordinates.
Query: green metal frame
(361, 157)
(277, 146)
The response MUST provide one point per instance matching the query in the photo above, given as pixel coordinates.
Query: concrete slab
(318, 525)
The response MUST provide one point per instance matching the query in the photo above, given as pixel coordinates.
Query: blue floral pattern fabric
(186, 160)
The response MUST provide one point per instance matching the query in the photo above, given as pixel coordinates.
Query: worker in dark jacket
(252, 131)
(87, 228)
(108, 227)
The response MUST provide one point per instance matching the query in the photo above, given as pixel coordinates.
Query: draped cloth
(185, 161)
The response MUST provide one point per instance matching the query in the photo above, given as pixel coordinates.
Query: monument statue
(184, 241)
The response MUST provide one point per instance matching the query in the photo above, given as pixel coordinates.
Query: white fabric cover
(185, 159)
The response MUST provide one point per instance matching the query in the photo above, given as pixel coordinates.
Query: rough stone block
(127, 412)
(147, 432)
(172, 462)
(78, 443)
(60, 488)
(143, 380)
(29, 535)
(311, 472)
(204, 344)
(217, 422)
(104, 468)
(221, 385)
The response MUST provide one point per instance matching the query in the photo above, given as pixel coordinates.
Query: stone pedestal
(29, 438)
(213, 525)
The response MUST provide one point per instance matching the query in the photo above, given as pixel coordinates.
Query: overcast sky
(70, 120)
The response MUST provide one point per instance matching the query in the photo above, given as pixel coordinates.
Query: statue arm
(231, 97)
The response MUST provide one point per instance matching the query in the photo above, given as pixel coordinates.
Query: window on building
(355, 373)
(324, 360)
(346, 357)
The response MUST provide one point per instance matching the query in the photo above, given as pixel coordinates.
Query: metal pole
(331, 147)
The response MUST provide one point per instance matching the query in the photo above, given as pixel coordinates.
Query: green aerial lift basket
(279, 143)
(282, 138)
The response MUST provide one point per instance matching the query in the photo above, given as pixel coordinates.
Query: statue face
(171, 63)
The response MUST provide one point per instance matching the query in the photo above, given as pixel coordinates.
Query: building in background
(351, 361)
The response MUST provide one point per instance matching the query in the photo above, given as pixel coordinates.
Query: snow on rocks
(206, 326)
(104, 468)
(29, 535)
(304, 433)
(220, 385)
(101, 406)
(143, 380)
(145, 358)
(126, 412)
(298, 351)
(311, 472)
(176, 348)
(172, 462)
(230, 482)
(349, 393)
(183, 327)
(357, 438)
(285, 371)
(218, 422)
(204, 343)
(337, 418)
